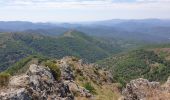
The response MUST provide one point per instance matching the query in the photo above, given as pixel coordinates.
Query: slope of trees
(137, 64)
(15, 46)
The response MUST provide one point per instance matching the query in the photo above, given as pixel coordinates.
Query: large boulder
(142, 89)
(78, 90)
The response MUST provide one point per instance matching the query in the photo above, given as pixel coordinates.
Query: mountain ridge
(138, 30)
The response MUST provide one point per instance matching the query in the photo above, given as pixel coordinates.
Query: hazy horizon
(88, 21)
(82, 10)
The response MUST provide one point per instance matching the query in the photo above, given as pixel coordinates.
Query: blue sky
(82, 10)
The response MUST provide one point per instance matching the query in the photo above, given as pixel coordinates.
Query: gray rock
(66, 71)
(76, 89)
(142, 89)
(16, 81)
(15, 94)
(37, 84)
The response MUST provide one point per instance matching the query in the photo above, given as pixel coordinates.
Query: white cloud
(78, 10)
(74, 3)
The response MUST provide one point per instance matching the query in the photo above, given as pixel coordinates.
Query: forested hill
(15, 46)
(151, 63)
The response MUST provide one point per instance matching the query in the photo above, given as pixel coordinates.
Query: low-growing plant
(72, 66)
(80, 78)
(54, 69)
(4, 79)
(75, 59)
(89, 87)
(96, 71)
(78, 71)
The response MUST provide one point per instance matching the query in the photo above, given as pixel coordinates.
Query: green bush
(54, 69)
(89, 87)
(4, 79)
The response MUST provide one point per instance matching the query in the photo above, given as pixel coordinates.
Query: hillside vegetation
(15, 46)
(152, 64)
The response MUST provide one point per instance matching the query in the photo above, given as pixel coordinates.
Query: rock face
(142, 89)
(38, 83)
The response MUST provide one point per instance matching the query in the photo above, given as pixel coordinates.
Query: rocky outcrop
(37, 84)
(72, 67)
(78, 90)
(142, 89)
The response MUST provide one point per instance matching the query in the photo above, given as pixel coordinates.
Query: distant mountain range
(149, 30)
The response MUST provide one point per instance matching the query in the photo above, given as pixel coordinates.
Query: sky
(82, 10)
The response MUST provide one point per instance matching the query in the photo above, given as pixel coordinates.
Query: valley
(15, 46)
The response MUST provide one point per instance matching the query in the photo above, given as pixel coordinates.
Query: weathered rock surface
(37, 84)
(78, 90)
(15, 94)
(142, 89)
(88, 71)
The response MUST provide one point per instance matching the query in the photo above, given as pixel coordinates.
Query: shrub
(80, 78)
(4, 79)
(75, 59)
(96, 71)
(72, 66)
(55, 70)
(78, 71)
(89, 87)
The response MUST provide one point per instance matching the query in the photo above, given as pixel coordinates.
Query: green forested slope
(148, 64)
(15, 46)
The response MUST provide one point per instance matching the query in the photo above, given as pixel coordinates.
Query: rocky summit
(77, 81)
